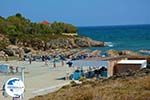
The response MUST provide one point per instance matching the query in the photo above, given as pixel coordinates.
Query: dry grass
(129, 88)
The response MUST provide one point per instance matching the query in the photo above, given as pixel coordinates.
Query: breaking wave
(109, 44)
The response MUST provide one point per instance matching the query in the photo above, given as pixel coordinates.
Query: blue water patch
(132, 37)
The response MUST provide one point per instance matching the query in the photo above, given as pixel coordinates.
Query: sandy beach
(39, 78)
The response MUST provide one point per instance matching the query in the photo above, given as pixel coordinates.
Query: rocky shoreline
(65, 43)
(31, 45)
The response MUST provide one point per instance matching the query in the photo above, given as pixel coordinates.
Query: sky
(80, 12)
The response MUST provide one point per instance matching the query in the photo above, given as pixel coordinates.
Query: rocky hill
(67, 42)
(127, 86)
(21, 32)
(60, 42)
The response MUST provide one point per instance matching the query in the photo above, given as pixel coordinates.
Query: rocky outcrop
(113, 53)
(69, 42)
(123, 52)
(147, 52)
(46, 42)
(87, 42)
(4, 42)
(9, 52)
(73, 43)
(128, 52)
(13, 50)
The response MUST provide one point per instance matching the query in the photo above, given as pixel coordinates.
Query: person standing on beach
(6, 57)
(69, 63)
(30, 59)
(67, 76)
(62, 63)
(62, 60)
(46, 59)
(43, 58)
(54, 63)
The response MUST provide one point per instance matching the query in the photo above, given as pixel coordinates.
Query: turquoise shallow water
(131, 37)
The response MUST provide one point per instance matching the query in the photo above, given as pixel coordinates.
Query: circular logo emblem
(14, 87)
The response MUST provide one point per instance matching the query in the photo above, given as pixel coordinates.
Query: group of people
(46, 58)
(101, 72)
(32, 58)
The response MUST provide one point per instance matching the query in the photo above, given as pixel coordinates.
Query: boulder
(87, 42)
(26, 50)
(128, 52)
(9, 52)
(113, 53)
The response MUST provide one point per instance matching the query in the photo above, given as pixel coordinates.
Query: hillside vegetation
(17, 24)
(129, 86)
(20, 31)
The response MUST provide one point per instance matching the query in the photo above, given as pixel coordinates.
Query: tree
(60, 27)
(19, 15)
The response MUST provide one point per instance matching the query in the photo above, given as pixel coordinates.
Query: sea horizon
(115, 25)
(119, 37)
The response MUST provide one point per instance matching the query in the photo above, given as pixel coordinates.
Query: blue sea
(129, 37)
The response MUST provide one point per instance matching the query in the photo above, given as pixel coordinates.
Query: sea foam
(109, 44)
